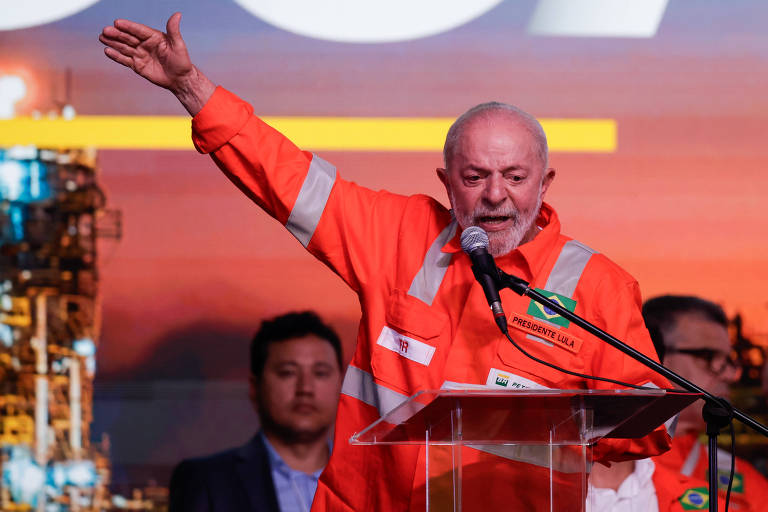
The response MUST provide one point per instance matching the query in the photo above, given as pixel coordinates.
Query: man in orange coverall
(425, 322)
(643, 486)
(691, 335)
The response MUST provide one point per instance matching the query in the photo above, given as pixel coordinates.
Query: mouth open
(494, 219)
(492, 223)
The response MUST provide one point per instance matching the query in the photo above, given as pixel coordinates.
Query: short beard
(504, 241)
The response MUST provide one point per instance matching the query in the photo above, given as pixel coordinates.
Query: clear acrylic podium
(514, 449)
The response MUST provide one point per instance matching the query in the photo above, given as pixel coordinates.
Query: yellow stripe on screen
(394, 134)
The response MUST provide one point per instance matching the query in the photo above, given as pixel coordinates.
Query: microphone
(474, 241)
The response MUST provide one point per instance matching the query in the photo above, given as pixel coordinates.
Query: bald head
(490, 112)
(496, 173)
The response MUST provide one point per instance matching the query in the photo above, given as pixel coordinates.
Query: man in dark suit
(294, 386)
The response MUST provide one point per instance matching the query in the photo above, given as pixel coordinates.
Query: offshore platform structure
(52, 212)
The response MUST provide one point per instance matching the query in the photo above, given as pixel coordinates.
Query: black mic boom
(474, 241)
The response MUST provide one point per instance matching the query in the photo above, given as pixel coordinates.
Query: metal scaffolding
(52, 212)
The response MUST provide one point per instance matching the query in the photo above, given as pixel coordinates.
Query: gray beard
(504, 241)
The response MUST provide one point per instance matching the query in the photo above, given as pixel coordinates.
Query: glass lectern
(514, 450)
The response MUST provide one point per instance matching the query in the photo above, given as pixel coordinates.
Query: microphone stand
(717, 412)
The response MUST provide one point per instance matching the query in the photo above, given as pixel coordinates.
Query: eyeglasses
(718, 362)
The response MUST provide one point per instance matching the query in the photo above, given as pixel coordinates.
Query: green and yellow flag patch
(539, 311)
(695, 499)
(723, 475)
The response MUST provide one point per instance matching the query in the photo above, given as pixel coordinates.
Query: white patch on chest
(412, 349)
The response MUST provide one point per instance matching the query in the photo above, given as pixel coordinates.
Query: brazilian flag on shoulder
(539, 311)
(724, 475)
(695, 499)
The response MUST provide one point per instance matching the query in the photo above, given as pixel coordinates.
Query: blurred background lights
(68, 112)
(12, 89)
(82, 474)
(11, 175)
(21, 153)
(84, 347)
(22, 476)
(58, 476)
(6, 335)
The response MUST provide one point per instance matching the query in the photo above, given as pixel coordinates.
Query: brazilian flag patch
(539, 311)
(738, 481)
(695, 499)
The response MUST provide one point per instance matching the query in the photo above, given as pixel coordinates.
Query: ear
(549, 176)
(442, 174)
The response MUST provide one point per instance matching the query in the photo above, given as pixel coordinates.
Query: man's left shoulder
(599, 267)
(752, 479)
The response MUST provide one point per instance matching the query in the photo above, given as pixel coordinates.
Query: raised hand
(161, 58)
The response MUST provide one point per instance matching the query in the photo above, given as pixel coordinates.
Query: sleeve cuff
(220, 119)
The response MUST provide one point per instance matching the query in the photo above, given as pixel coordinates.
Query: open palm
(161, 58)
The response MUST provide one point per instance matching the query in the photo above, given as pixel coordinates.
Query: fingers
(123, 48)
(124, 37)
(139, 31)
(172, 28)
(119, 57)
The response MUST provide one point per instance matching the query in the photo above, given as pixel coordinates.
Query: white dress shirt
(635, 494)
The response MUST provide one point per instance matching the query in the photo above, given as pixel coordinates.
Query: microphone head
(474, 238)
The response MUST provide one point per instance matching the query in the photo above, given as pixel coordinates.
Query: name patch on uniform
(543, 312)
(559, 338)
(407, 347)
(508, 380)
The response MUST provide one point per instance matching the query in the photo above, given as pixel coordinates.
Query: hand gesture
(161, 58)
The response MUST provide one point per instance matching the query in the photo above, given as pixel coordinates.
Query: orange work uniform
(425, 322)
(749, 491)
(673, 492)
(676, 492)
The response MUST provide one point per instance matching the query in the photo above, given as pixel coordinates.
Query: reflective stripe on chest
(560, 286)
(430, 276)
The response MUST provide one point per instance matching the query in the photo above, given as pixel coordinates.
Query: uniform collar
(531, 254)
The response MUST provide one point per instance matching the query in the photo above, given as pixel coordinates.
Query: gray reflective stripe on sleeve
(427, 281)
(359, 384)
(311, 200)
(567, 271)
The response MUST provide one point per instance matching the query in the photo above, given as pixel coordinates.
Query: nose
(495, 192)
(305, 384)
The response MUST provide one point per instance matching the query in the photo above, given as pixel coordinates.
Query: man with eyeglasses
(691, 338)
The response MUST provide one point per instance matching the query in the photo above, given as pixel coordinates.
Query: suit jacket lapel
(255, 475)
